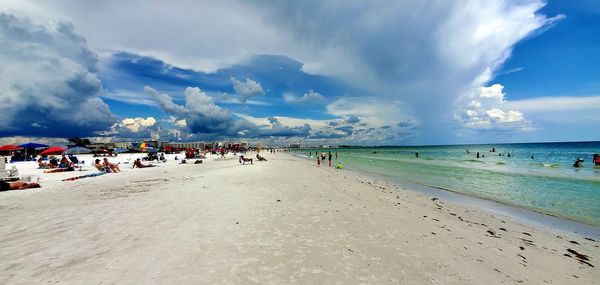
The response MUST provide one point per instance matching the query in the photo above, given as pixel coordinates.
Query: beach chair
(8, 174)
(75, 160)
(3, 172)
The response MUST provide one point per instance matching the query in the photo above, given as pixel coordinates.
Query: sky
(311, 72)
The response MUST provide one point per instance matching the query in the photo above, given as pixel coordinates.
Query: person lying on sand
(138, 164)
(70, 168)
(17, 185)
(114, 167)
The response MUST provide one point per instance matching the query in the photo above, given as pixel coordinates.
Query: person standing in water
(477, 154)
(336, 155)
(329, 157)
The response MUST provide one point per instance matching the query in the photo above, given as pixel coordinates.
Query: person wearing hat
(578, 163)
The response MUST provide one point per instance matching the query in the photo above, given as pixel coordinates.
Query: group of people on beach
(54, 163)
(327, 156)
(107, 166)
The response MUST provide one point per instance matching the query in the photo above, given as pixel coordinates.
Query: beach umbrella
(33, 145)
(53, 150)
(10, 147)
(78, 150)
(119, 150)
(150, 149)
(99, 150)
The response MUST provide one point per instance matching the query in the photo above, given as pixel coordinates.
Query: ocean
(536, 176)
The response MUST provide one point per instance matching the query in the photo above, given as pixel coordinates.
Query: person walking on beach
(329, 159)
(318, 161)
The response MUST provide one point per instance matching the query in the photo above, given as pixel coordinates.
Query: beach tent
(34, 145)
(31, 147)
(78, 150)
(10, 147)
(53, 150)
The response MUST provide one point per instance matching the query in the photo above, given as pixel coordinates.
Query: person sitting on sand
(138, 164)
(578, 163)
(53, 163)
(243, 160)
(65, 162)
(17, 185)
(114, 167)
(101, 167)
(260, 158)
(42, 164)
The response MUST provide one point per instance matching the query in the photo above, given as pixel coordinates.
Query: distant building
(196, 145)
(295, 145)
(123, 144)
(100, 145)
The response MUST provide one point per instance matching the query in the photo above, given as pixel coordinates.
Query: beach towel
(84, 176)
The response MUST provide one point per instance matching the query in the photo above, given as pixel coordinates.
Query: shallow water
(546, 183)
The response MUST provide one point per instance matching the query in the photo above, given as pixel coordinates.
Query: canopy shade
(78, 150)
(54, 150)
(9, 147)
(33, 145)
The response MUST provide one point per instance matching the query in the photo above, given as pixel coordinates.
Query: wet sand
(281, 221)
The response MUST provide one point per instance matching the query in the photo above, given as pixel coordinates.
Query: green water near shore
(546, 183)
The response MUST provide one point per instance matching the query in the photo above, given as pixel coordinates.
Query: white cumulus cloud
(485, 109)
(308, 97)
(246, 89)
(135, 124)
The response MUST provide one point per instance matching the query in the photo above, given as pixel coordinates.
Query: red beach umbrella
(53, 150)
(10, 147)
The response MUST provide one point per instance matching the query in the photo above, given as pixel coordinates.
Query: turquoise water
(547, 183)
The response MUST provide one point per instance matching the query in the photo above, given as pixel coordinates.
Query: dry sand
(276, 222)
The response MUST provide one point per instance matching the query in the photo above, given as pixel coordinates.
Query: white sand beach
(276, 222)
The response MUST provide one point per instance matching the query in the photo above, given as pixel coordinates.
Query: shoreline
(528, 215)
